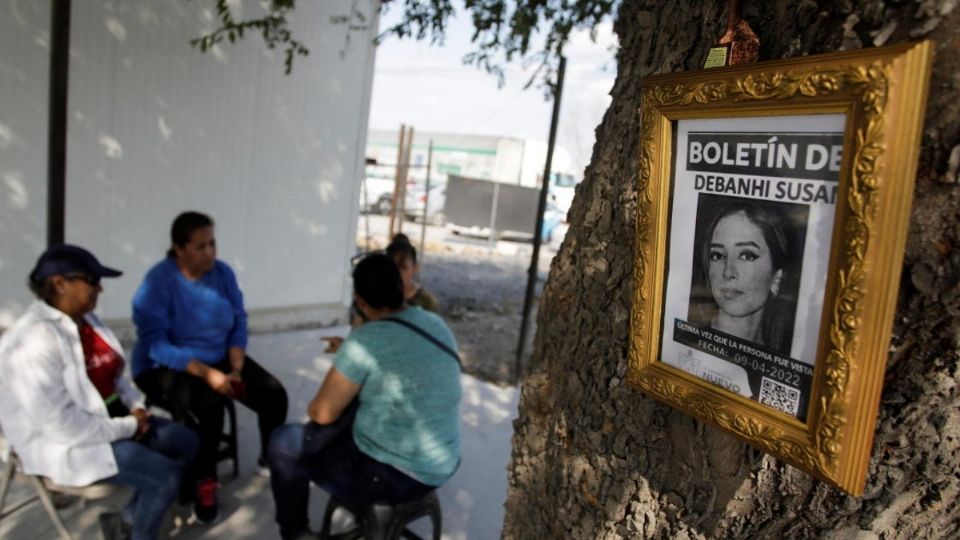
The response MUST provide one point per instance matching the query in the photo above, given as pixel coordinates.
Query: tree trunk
(593, 458)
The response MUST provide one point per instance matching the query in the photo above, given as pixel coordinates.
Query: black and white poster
(751, 222)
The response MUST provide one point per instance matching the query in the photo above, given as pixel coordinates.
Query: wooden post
(402, 202)
(397, 178)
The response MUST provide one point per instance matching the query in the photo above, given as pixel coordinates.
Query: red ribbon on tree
(738, 45)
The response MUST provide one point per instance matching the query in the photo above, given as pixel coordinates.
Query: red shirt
(104, 364)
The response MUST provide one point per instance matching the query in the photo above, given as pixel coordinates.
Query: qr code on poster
(779, 396)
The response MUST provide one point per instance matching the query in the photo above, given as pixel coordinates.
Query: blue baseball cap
(65, 259)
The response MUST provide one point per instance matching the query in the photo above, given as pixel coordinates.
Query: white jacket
(50, 412)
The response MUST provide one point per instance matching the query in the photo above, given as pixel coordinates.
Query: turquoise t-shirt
(410, 397)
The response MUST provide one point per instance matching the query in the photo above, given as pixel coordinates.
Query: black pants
(191, 400)
(339, 468)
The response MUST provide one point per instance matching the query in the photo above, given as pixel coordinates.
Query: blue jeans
(340, 469)
(152, 466)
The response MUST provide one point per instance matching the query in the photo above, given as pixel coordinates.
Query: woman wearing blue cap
(66, 408)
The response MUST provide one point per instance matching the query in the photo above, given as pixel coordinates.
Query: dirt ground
(481, 298)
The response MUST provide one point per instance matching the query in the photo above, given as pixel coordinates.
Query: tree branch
(272, 27)
(532, 31)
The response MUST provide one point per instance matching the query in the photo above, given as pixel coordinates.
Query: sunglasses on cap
(90, 279)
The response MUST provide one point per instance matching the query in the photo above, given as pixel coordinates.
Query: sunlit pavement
(472, 501)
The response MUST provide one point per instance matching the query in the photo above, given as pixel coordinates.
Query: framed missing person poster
(772, 215)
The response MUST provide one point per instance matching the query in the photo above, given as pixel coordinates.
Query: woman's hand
(143, 421)
(220, 382)
(215, 379)
(333, 343)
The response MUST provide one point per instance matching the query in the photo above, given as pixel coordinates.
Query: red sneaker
(205, 507)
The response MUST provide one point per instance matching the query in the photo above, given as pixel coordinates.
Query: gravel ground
(481, 298)
(480, 287)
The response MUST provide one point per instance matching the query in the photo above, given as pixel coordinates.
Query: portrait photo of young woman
(746, 269)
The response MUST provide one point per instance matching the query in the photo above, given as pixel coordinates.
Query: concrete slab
(472, 500)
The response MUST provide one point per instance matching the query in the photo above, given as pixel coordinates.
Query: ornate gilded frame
(878, 90)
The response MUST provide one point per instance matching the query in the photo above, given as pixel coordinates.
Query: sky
(428, 87)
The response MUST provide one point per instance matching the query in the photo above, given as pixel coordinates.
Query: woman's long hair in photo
(779, 312)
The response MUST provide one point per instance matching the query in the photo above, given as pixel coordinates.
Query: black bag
(316, 436)
(428, 337)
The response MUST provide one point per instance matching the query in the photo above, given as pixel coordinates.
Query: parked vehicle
(561, 190)
(557, 235)
(416, 198)
(552, 231)
(375, 194)
(553, 217)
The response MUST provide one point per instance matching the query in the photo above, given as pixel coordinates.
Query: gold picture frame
(697, 129)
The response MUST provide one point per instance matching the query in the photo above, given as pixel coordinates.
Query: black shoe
(205, 507)
(62, 500)
(263, 468)
(112, 526)
(307, 535)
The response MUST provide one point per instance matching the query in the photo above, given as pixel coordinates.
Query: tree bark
(593, 458)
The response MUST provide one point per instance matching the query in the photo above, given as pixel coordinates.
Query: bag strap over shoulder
(443, 346)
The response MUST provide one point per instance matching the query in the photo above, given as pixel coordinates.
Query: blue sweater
(179, 320)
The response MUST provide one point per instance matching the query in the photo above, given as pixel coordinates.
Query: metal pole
(523, 153)
(494, 208)
(426, 204)
(57, 121)
(544, 188)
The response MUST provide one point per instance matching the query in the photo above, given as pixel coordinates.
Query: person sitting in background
(65, 406)
(399, 374)
(190, 352)
(405, 255)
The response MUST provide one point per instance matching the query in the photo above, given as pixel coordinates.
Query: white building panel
(156, 128)
(24, 70)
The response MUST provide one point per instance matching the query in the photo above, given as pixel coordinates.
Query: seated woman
(190, 353)
(405, 438)
(405, 255)
(66, 408)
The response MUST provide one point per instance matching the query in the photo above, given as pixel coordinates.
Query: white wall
(24, 68)
(509, 163)
(156, 128)
(534, 158)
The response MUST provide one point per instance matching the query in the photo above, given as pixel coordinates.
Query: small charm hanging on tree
(738, 45)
